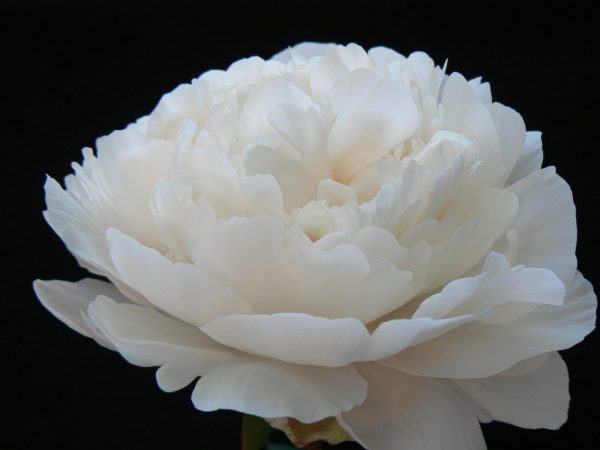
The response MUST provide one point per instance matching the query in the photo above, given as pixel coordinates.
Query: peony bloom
(332, 239)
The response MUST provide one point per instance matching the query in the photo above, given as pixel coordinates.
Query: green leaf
(255, 432)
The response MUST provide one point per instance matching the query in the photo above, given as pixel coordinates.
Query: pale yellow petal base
(303, 434)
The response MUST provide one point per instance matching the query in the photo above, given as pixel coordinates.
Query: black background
(78, 72)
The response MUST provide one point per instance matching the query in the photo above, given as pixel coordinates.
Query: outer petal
(81, 232)
(496, 286)
(273, 389)
(179, 289)
(530, 158)
(498, 295)
(394, 336)
(406, 412)
(145, 337)
(66, 300)
(547, 231)
(293, 337)
(479, 350)
(76, 227)
(538, 399)
(511, 133)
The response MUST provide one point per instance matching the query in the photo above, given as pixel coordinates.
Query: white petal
(253, 118)
(480, 349)
(406, 412)
(304, 130)
(373, 115)
(250, 255)
(181, 220)
(76, 227)
(273, 389)
(129, 165)
(383, 56)
(545, 222)
(91, 251)
(293, 337)
(426, 74)
(393, 336)
(538, 399)
(378, 242)
(180, 289)
(394, 210)
(475, 294)
(98, 336)
(184, 102)
(305, 49)
(145, 337)
(510, 128)
(465, 113)
(215, 178)
(295, 176)
(480, 298)
(66, 300)
(343, 283)
(530, 159)
(252, 69)
(482, 90)
(334, 193)
(327, 71)
(484, 218)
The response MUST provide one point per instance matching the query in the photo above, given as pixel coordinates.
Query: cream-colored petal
(293, 337)
(180, 289)
(407, 412)
(274, 389)
(530, 158)
(373, 114)
(146, 337)
(480, 349)
(545, 223)
(250, 255)
(66, 300)
(537, 399)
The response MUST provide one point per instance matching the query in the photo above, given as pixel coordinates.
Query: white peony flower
(336, 235)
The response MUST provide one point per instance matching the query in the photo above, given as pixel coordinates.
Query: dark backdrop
(78, 72)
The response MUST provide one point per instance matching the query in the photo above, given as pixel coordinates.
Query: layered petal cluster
(332, 233)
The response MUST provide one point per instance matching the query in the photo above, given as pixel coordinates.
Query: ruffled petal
(250, 255)
(273, 389)
(484, 348)
(146, 338)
